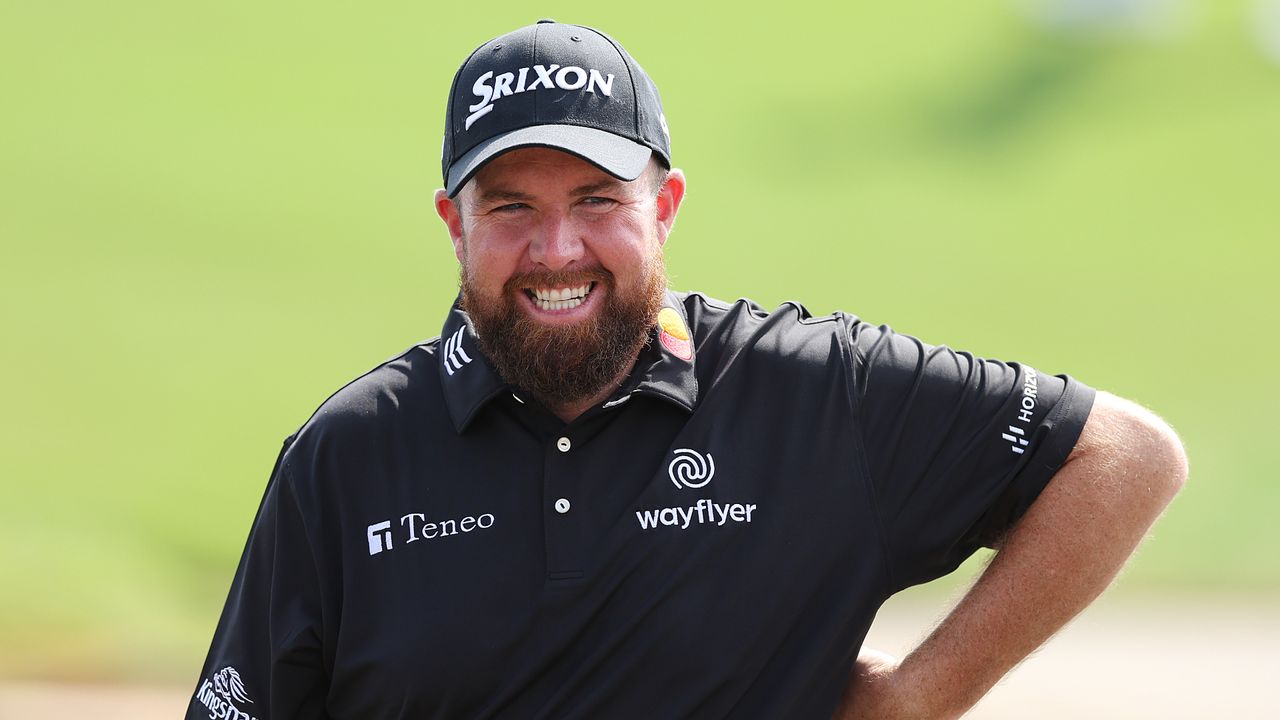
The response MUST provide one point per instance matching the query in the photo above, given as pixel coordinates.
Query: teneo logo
(690, 468)
(453, 354)
(1026, 410)
(490, 88)
(223, 693)
(415, 527)
(379, 537)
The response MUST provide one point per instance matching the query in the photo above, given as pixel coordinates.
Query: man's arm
(1125, 469)
(265, 657)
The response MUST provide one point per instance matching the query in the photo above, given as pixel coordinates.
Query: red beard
(563, 365)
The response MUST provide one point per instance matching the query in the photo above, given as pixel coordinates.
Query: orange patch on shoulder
(674, 334)
(670, 322)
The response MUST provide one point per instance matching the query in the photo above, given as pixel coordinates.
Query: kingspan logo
(490, 88)
(223, 693)
(692, 469)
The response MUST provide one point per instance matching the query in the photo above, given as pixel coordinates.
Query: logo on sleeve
(224, 695)
(1026, 410)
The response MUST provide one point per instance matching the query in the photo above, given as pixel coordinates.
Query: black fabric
(733, 523)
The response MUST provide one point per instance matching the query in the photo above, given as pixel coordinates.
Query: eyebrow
(504, 195)
(487, 196)
(595, 187)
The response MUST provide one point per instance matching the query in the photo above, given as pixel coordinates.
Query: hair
(655, 175)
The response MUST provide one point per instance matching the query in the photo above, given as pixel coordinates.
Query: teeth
(552, 299)
(560, 298)
(558, 304)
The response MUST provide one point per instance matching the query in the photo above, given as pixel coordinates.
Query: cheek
(490, 264)
(629, 251)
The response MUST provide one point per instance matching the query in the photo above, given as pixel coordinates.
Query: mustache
(558, 278)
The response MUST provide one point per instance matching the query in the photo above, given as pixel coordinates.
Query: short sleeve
(265, 660)
(956, 447)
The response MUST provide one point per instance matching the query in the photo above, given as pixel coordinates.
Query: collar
(467, 377)
(664, 369)
(665, 366)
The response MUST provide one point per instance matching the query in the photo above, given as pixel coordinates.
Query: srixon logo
(1017, 435)
(490, 88)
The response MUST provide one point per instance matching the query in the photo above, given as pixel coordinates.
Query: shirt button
(563, 444)
(562, 506)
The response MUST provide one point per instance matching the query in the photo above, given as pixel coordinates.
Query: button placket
(563, 523)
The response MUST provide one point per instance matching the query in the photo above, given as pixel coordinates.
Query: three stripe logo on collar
(454, 356)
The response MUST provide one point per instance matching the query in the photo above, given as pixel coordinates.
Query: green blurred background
(214, 214)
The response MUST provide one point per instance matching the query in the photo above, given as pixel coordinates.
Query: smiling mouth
(563, 298)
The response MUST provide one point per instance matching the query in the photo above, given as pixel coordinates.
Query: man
(593, 497)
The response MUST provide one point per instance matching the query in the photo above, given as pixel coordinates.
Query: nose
(556, 243)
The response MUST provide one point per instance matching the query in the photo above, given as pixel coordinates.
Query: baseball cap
(555, 85)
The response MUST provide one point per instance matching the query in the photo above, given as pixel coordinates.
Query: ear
(668, 203)
(449, 211)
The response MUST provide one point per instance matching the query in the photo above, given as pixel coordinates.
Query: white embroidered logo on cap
(569, 77)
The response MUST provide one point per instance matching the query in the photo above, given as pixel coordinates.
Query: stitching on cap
(635, 94)
(533, 61)
(453, 90)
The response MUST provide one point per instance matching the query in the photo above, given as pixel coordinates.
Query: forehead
(543, 168)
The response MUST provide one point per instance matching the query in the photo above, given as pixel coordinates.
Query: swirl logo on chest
(690, 468)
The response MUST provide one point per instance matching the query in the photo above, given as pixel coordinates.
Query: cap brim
(622, 158)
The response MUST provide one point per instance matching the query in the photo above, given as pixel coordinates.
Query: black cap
(566, 87)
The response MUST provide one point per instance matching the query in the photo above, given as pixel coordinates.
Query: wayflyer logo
(690, 469)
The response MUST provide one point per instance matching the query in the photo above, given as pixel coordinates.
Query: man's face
(562, 269)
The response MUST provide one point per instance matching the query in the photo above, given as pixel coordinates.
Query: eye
(510, 207)
(599, 203)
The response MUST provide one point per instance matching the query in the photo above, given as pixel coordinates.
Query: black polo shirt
(712, 542)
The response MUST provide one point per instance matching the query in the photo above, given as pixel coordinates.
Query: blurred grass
(211, 216)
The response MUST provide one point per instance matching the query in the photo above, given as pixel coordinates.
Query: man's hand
(869, 693)
(1126, 467)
